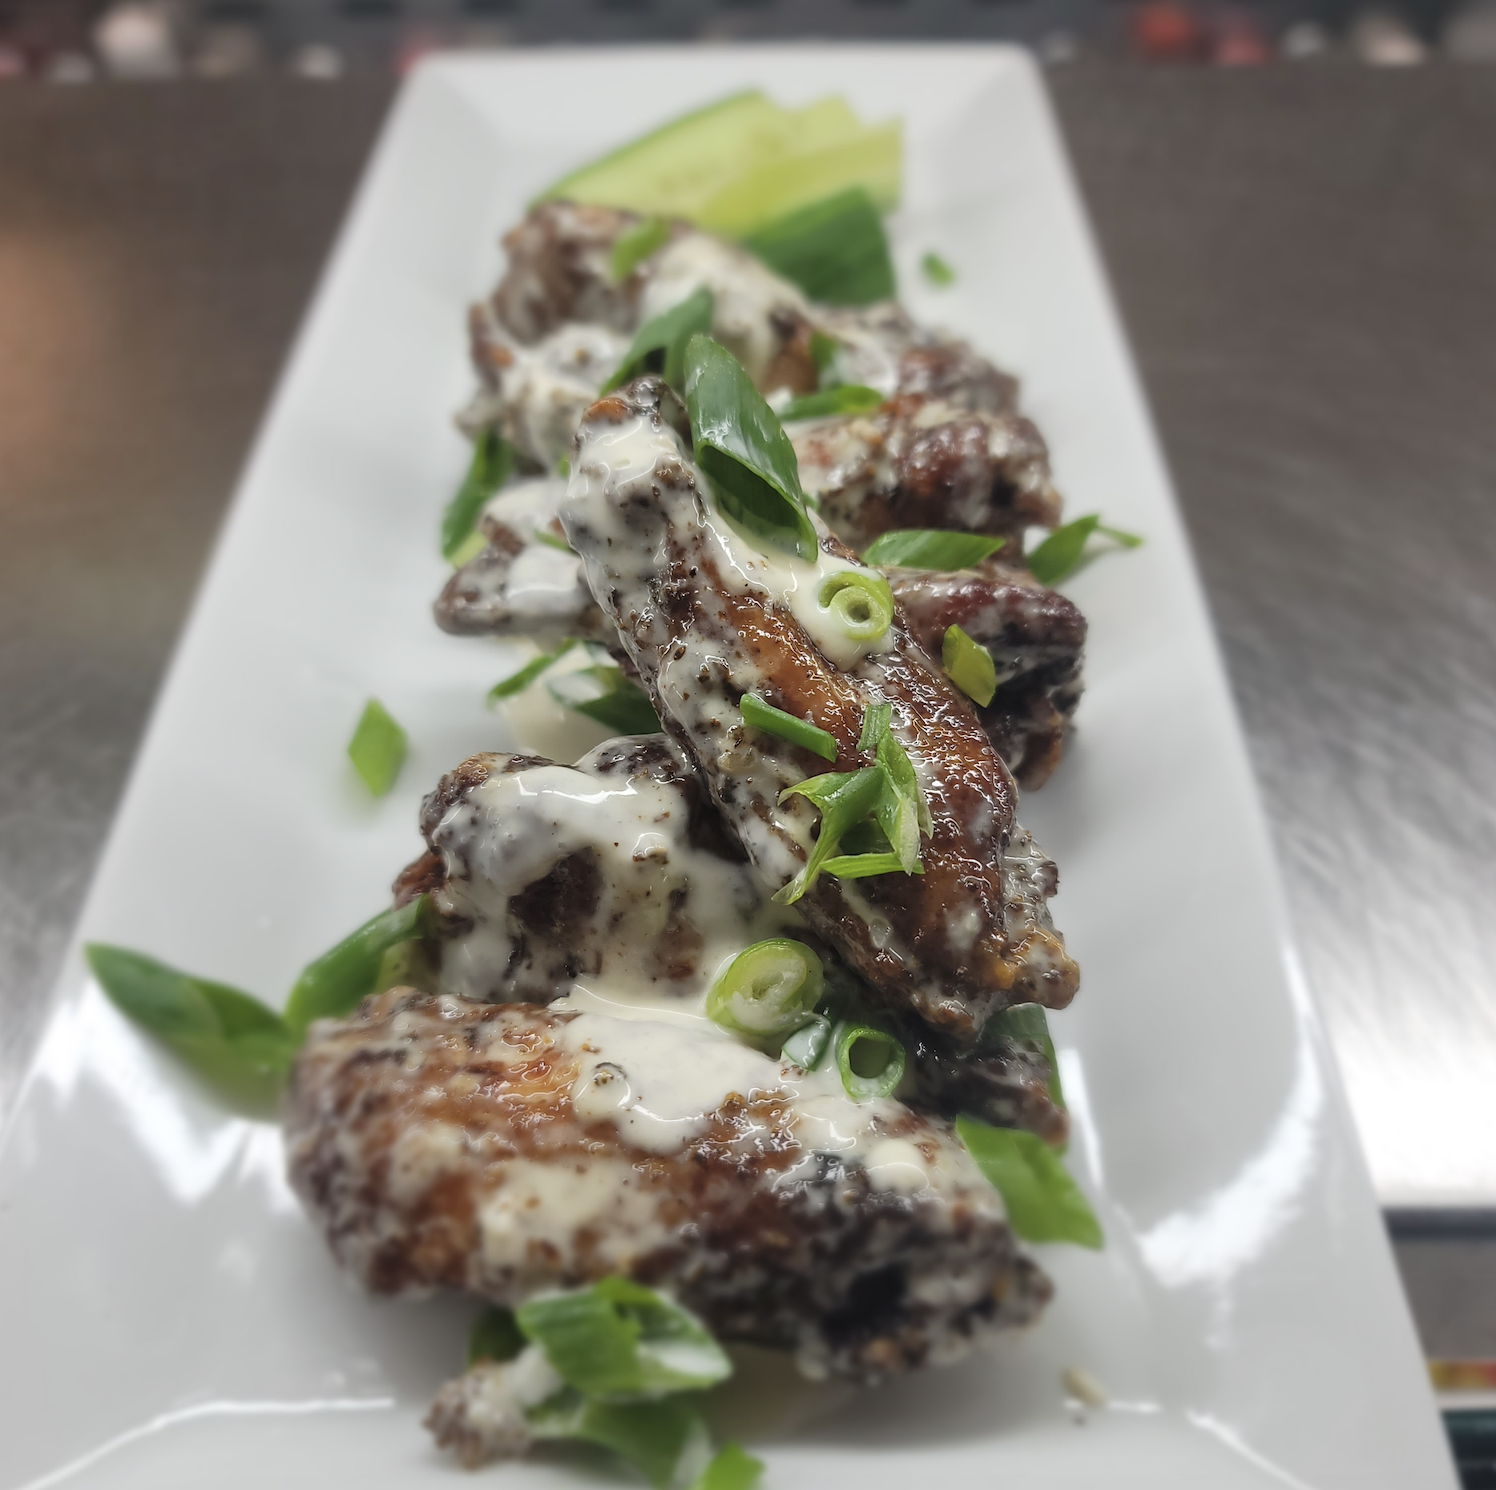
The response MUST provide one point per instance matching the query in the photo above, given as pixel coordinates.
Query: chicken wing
(705, 618)
(507, 1149)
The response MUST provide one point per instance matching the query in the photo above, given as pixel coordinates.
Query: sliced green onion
(1061, 554)
(823, 350)
(666, 1440)
(861, 602)
(791, 727)
(808, 1045)
(493, 459)
(835, 250)
(469, 548)
(334, 983)
(408, 965)
(931, 548)
(618, 1341)
(730, 1469)
(870, 1061)
(902, 811)
(744, 450)
(604, 694)
(845, 398)
(659, 344)
(563, 465)
(541, 535)
(635, 244)
(518, 682)
(876, 719)
(866, 866)
(936, 270)
(377, 748)
(844, 798)
(969, 666)
(494, 1337)
(1043, 1203)
(1029, 1025)
(225, 1035)
(767, 990)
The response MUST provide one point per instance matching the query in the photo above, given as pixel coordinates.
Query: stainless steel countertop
(1306, 259)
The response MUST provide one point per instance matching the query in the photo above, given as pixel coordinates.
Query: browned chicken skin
(968, 935)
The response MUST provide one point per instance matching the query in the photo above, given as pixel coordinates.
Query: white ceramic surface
(167, 1318)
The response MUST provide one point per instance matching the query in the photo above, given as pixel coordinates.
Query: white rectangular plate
(169, 1317)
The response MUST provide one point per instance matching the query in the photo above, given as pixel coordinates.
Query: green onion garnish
(333, 984)
(635, 244)
(226, 1036)
(807, 1046)
(845, 398)
(1060, 555)
(744, 450)
(835, 250)
(866, 866)
(493, 459)
(791, 727)
(767, 991)
(844, 798)
(619, 1342)
(871, 1062)
(1027, 1024)
(377, 748)
(823, 350)
(936, 270)
(494, 1336)
(542, 535)
(563, 465)
(469, 548)
(861, 602)
(1043, 1203)
(665, 1439)
(930, 548)
(518, 682)
(730, 1469)
(659, 344)
(604, 694)
(969, 666)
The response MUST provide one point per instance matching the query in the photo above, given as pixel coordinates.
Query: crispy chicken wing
(507, 1149)
(706, 618)
(619, 874)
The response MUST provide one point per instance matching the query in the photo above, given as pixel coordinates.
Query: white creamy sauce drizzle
(746, 294)
(618, 455)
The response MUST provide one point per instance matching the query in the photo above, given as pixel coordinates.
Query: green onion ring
(767, 990)
(861, 602)
(871, 1062)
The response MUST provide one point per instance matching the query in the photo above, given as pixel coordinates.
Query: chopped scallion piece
(969, 666)
(744, 450)
(494, 1337)
(332, 985)
(1043, 1203)
(876, 720)
(730, 1469)
(861, 602)
(823, 350)
(865, 866)
(937, 271)
(844, 798)
(543, 535)
(635, 244)
(835, 250)
(228, 1037)
(1062, 553)
(1028, 1024)
(791, 727)
(563, 465)
(870, 1061)
(767, 990)
(493, 459)
(930, 548)
(518, 682)
(377, 748)
(845, 398)
(666, 1440)
(659, 344)
(604, 694)
(468, 549)
(619, 1341)
(808, 1045)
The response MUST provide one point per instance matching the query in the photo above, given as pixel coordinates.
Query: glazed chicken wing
(618, 873)
(506, 1149)
(706, 617)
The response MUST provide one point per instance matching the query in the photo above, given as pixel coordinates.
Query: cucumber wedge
(871, 159)
(671, 169)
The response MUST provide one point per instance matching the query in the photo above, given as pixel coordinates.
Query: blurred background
(71, 41)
